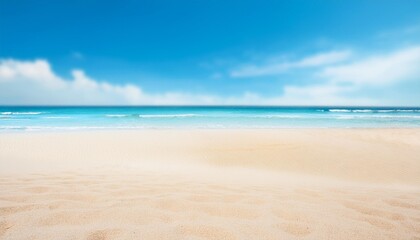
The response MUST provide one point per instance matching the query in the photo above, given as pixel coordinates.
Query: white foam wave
(373, 110)
(362, 110)
(339, 110)
(408, 110)
(276, 116)
(378, 117)
(399, 110)
(21, 113)
(169, 116)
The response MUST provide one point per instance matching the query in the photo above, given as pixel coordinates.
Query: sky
(196, 52)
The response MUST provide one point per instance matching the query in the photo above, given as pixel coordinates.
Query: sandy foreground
(211, 184)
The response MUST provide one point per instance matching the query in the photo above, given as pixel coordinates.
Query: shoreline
(122, 130)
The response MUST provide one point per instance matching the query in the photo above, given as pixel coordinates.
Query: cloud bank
(339, 78)
(34, 83)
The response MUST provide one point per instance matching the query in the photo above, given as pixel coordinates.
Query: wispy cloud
(346, 78)
(317, 60)
(397, 66)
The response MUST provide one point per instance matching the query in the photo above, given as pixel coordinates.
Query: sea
(42, 118)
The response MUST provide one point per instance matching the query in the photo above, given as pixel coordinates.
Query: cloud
(343, 78)
(34, 83)
(401, 65)
(317, 60)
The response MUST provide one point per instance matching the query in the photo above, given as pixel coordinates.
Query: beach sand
(211, 184)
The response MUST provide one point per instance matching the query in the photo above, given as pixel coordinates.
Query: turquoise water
(86, 118)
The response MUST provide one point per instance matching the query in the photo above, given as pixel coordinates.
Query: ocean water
(95, 118)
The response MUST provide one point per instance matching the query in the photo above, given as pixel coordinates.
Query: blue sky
(210, 52)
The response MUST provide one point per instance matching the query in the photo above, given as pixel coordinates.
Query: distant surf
(91, 118)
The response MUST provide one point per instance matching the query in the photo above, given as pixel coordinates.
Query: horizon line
(255, 106)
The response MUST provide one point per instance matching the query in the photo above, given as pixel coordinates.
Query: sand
(211, 184)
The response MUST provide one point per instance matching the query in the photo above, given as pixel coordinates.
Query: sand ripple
(142, 206)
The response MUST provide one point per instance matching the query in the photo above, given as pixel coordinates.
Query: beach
(211, 184)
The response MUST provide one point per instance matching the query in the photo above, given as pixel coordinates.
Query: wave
(373, 110)
(153, 115)
(276, 116)
(399, 110)
(363, 110)
(339, 110)
(385, 111)
(351, 110)
(21, 113)
(372, 117)
(169, 115)
(408, 110)
(117, 115)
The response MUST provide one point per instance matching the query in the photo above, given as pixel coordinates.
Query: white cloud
(317, 60)
(34, 83)
(338, 80)
(401, 65)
